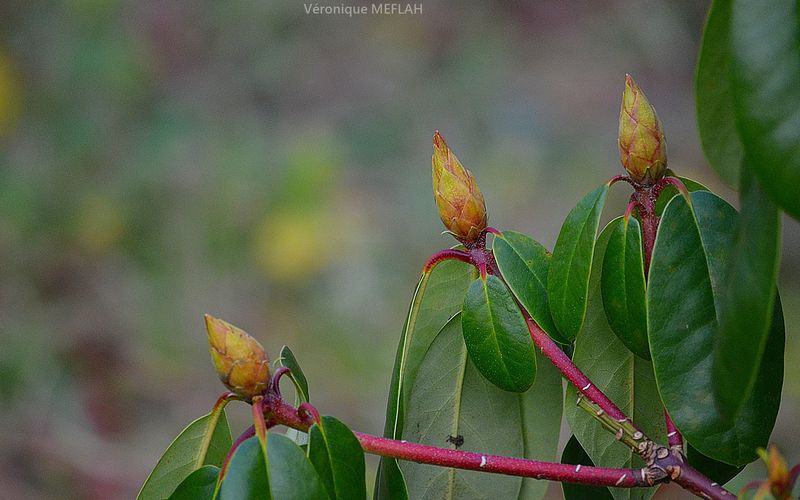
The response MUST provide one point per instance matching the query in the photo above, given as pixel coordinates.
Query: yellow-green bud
(642, 147)
(778, 472)
(238, 358)
(460, 202)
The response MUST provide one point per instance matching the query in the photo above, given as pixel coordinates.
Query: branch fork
(664, 463)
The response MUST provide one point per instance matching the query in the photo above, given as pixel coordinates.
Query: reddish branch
(674, 437)
(644, 198)
(571, 372)
(451, 254)
(664, 469)
(280, 412)
(581, 474)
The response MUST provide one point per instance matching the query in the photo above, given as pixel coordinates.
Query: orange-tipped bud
(238, 358)
(642, 146)
(777, 471)
(460, 202)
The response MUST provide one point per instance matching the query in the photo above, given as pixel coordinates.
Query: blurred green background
(159, 160)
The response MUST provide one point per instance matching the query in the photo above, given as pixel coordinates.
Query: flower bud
(238, 358)
(777, 471)
(460, 202)
(642, 147)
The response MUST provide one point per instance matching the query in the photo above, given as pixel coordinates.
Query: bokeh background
(159, 160)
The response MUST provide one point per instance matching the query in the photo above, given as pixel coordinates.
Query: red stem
(618, 178)
(646, 202)
(572, 373)
(285, 414)
(645, 198)
(282, 413)
(692, 480)
(793, 475)
(223, 400)
(674, 437)
(629, 208)
(581, 474)
(445, 255)
(244, 436)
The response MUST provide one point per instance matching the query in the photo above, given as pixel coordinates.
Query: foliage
(672, 313)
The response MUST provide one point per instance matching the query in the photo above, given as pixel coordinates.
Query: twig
(285, 414)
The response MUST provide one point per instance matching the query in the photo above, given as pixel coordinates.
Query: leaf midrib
(494, 335)
(565, 286)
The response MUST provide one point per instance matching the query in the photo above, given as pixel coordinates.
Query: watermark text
(379, 9)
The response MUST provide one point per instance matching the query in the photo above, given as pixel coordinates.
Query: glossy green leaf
(717, 471)
(291, 475)
(623, 285)
(625, 378)
(287, 359)
(524, 264)
(497, 337)
(670, 191)
(199, 485)
(453, 406)
(437, 298)
(568, 277)
(765, 70)
(574, 454)
(716, 121)
(747, 299)
(203, 442)
(246, 475)
(338, 458)
(687, 273)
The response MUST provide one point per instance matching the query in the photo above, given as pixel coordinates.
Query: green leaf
(203, 442)
(574, 454)
(199, 485)
(497, 337)
(437, 298)
(687, 273)
(291, 475)
(338, 458)
(524, 264)
(625, 378)
(288, 360)
(670, 191)
(623, 286)
(716, 121)
(568, 277)
(453, 406)
(765, 70)
(719, 472)
(246, 475)
(747, 300)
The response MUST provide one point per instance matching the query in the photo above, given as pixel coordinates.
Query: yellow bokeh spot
(10, 93)
(100, 224)
(294, 246)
